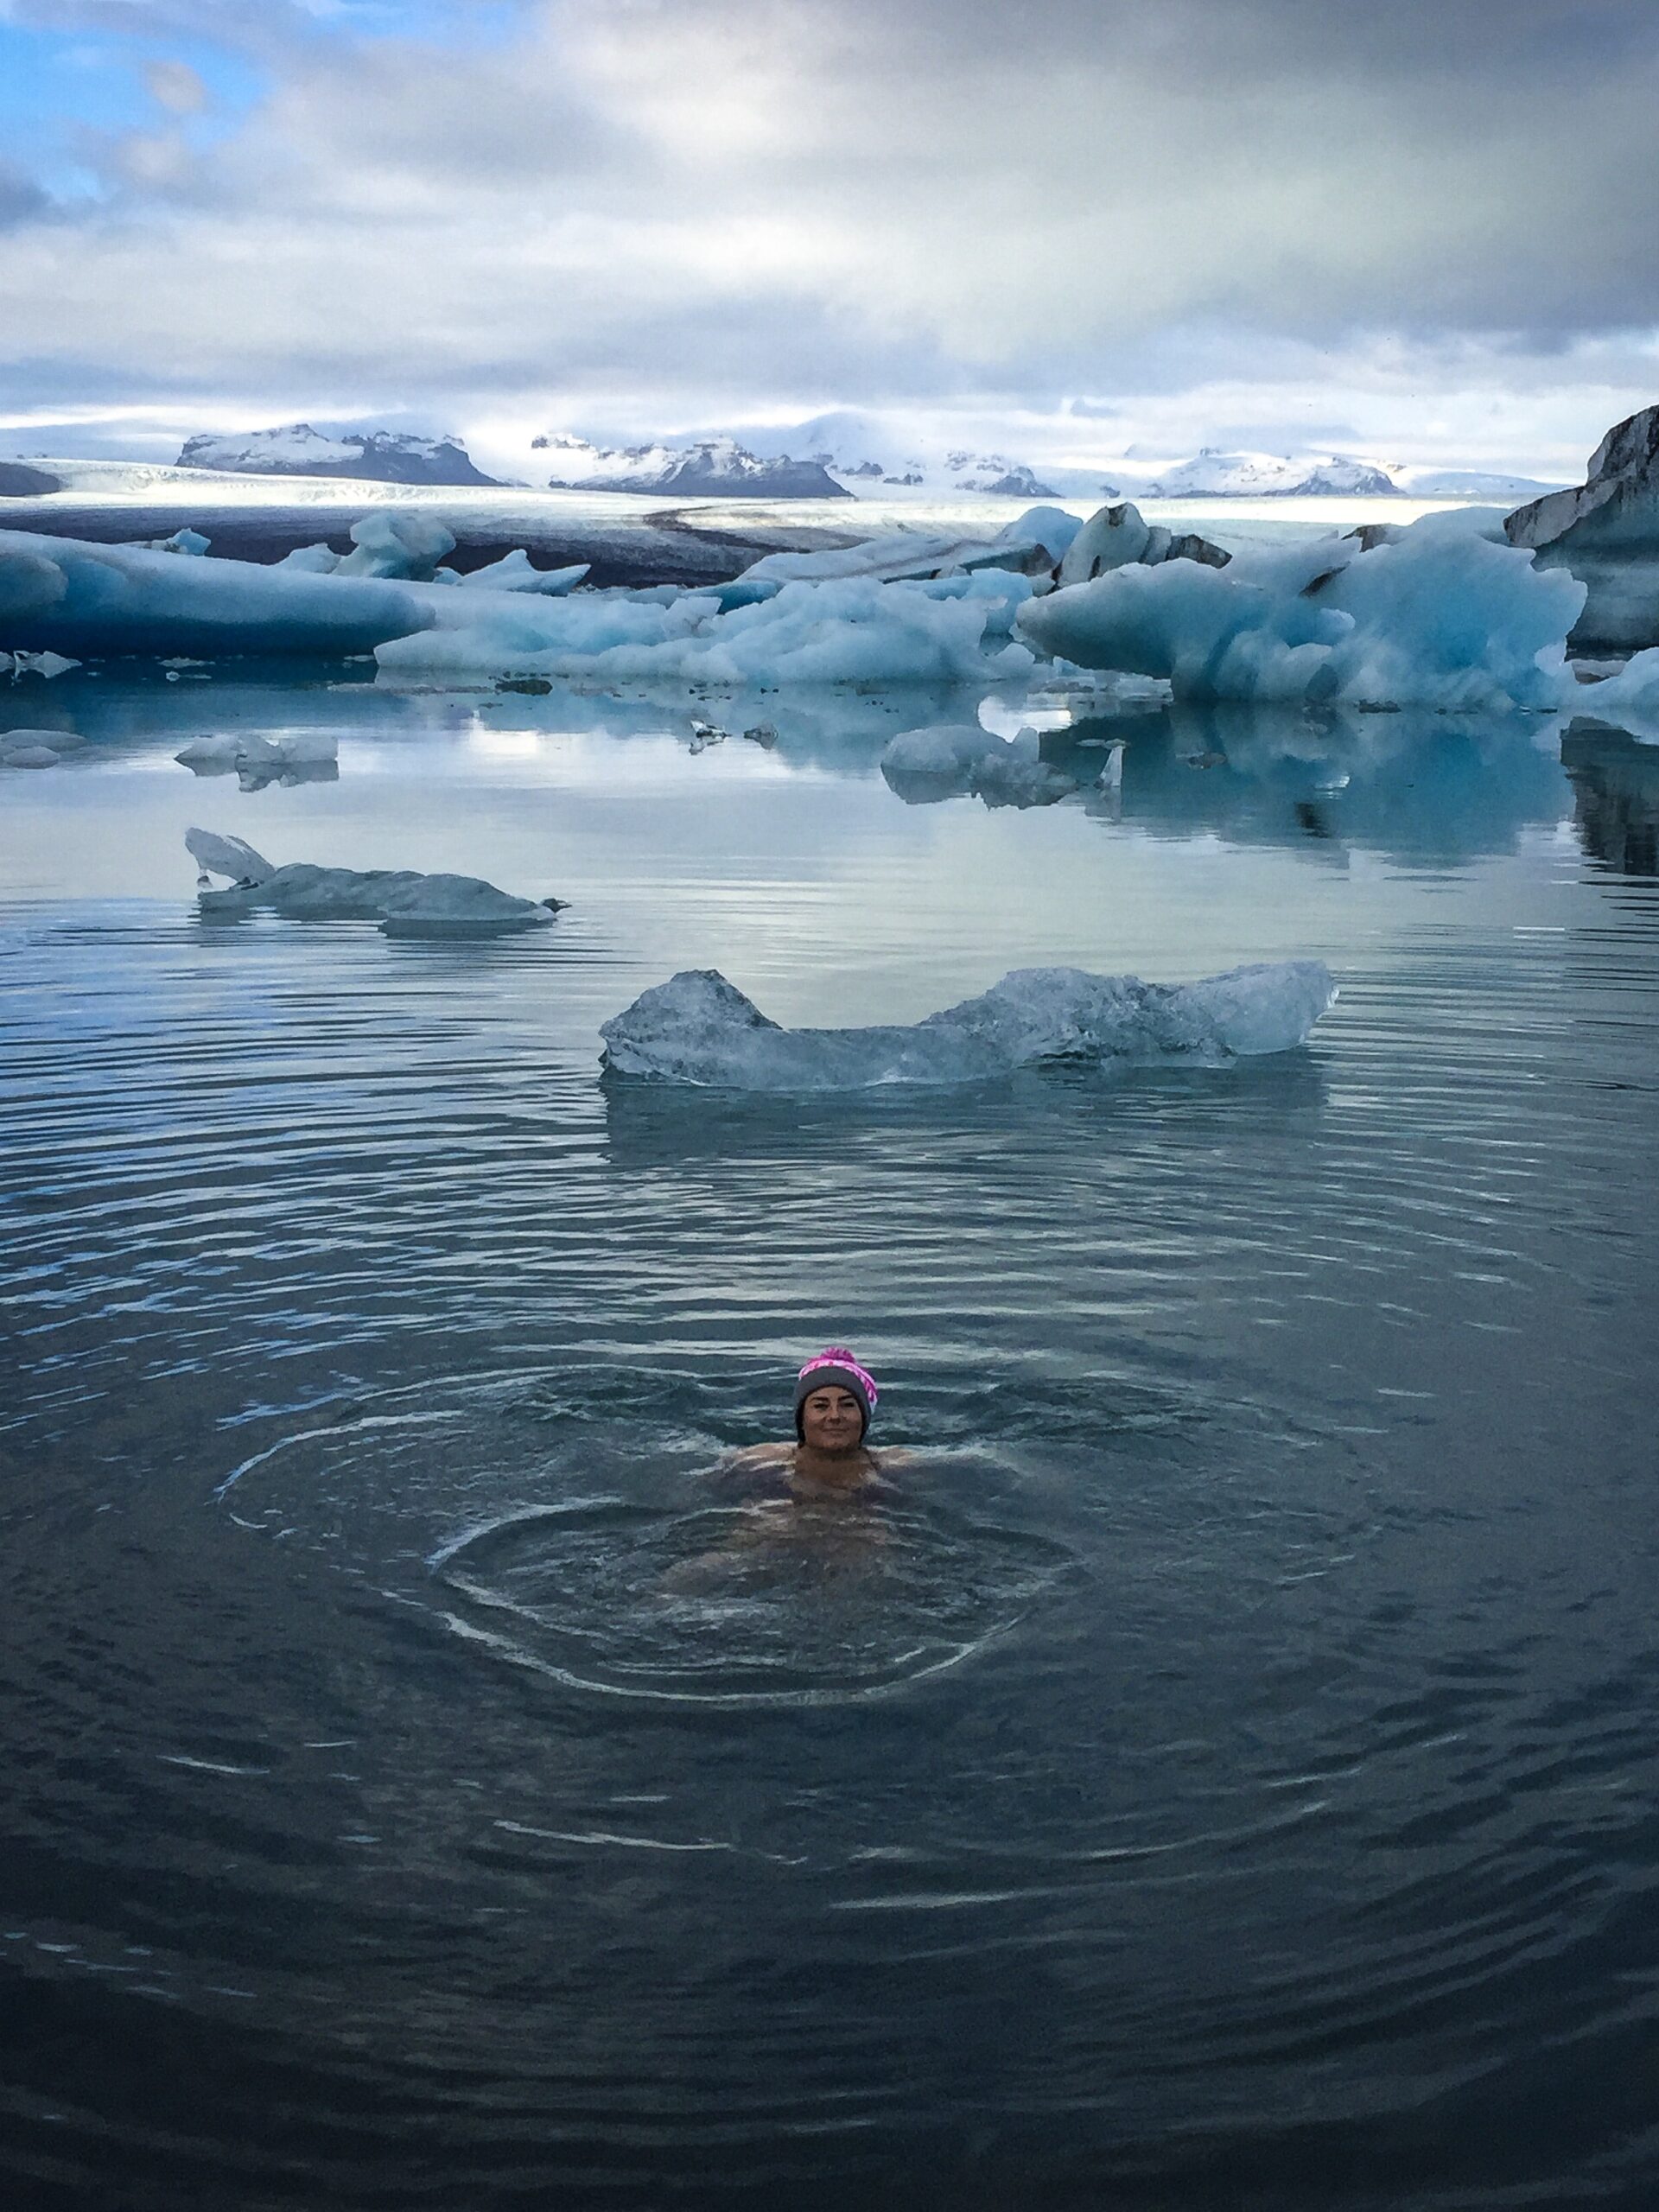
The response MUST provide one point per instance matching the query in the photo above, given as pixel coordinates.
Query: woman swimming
(835, 1402)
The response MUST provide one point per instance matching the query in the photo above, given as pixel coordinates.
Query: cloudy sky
(1417, 229)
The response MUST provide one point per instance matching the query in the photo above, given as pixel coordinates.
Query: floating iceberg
(853, 630)
(1438, 617)
(514, 572)
(57, 592)
(1117, 537)
(36, 748)
(404, 902)
(698, 1028)
(296, 757)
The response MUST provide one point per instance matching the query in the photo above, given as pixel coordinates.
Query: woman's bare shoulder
(752, 1458)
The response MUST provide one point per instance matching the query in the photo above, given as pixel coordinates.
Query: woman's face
(831, 1419)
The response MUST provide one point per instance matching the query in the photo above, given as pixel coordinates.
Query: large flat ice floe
(698, 1028)
(403, 901)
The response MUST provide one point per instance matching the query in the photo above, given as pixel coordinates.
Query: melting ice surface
(698, 1028)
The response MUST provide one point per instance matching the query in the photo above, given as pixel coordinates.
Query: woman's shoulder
(757, 1455)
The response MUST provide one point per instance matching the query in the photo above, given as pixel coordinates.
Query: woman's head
(835, 1398)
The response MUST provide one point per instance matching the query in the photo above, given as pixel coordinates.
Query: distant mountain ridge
(1212, 474)
(701, 467)
(374, 456)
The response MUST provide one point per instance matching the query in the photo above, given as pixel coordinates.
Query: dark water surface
(1220, 1773)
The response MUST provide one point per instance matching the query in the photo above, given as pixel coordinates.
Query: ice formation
(910, 557)
(1117, 537)
(36, 748)
(854, 630)
(513, 572)
(957, 757)
(1442, 614)
(406, 547)
(61, 593)
(1632, 689)
(1438, 617)
(698, 1028)
(47, 664)
(403, 901)
(293, 757)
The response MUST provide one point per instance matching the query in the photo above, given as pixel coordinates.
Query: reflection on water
(1220, 1773)
(1614, 782)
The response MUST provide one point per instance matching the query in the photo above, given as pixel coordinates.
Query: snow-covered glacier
(699, 1028)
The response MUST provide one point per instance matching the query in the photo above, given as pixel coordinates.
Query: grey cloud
(794, 200)
(175, 86)
(22, 201)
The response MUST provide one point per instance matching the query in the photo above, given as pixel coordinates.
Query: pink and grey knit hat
(835, 1363)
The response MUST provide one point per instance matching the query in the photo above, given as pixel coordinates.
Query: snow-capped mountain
(1471, 483)
(875, 458)
(1211, 474)
(297, 449)
(702, 467)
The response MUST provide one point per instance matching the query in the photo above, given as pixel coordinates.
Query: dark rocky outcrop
(1606, 533)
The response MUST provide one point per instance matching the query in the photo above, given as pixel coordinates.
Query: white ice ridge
(403, 901)
(698, 1028)
(1437, 615)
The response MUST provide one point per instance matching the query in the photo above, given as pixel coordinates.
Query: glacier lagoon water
(1223, 1774)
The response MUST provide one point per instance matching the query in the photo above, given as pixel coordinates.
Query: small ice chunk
(47, 664)
(29, 756)
(943, 756)
(1052, 528)
(514, 572)
(698, 1028)
(396, 545)
(59, 740)
(218, 854)
(311, 561)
